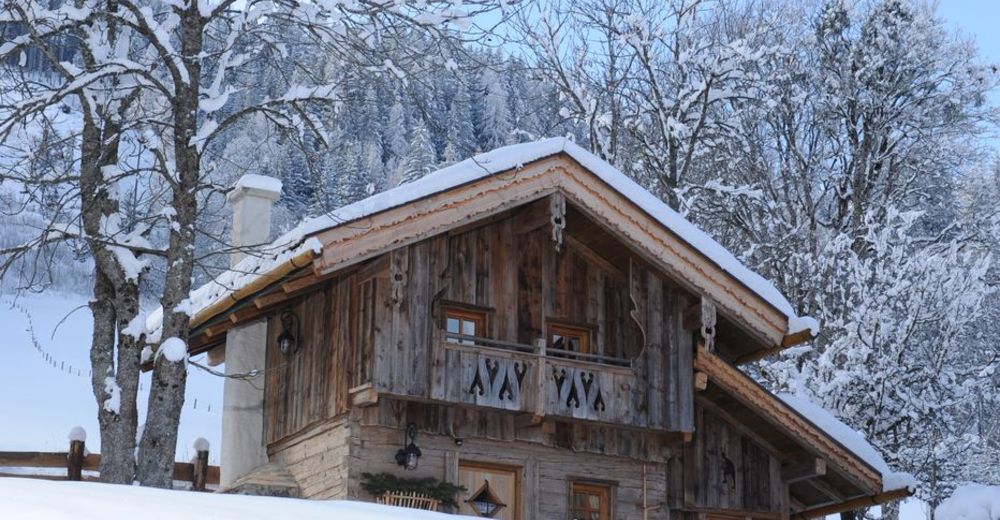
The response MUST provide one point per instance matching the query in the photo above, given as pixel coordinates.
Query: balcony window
(569, 338)
(465, 322)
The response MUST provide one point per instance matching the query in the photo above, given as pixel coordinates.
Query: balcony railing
(535, 379)
(462, 339)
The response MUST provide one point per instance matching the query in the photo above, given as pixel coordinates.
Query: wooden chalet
(561, 344)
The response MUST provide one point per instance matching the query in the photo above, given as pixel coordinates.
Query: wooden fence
(199, 473)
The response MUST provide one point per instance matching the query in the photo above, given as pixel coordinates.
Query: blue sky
(977, 18)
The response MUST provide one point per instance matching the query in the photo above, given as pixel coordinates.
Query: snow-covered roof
(24, 498)
(475, 168)
(851, 439)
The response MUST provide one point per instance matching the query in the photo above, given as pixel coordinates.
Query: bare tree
(172, 77)
(654, 83)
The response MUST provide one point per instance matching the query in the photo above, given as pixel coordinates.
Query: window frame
(604, 490)
(585, 334)
(480, 316)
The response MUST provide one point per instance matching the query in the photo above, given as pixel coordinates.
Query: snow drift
(46, 500)
(971, 502)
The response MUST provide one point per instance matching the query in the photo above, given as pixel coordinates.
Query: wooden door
(501, 483)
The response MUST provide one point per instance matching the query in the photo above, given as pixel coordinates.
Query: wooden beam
(823, 487)
(853, 504)
(803, 470)
(271, 299)
(700, 381)
(739, 426)
(304, 283)
(787, 342)
(364, 395)
(595, 257)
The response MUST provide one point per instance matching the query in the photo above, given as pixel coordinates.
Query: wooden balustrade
(538, 380)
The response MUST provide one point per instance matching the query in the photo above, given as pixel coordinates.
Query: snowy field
(89, 501)
(46, 383)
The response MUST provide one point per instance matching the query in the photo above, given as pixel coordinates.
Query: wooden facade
(529, 332)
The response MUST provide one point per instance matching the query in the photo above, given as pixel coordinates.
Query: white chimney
(243, 448)
(251, 199)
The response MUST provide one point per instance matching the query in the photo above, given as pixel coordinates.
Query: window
(590, 501)
(466, 323)
(569, 338)
(491, 490)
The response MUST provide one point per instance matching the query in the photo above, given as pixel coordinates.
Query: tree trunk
(118, 436)
(114, 305)
(166, 395)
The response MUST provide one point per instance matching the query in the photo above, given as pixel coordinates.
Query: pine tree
(420, 158)
(461, 141)
(496, 126)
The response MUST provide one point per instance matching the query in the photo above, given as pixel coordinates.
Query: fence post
(199, 474)
(77, 450)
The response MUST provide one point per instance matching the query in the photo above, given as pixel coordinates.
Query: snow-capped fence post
(76, 454)
(199, 473)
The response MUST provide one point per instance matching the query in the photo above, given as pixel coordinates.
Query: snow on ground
(44, 500)
(850, 439)
(46, 389)
(971, 502)
(909, 509)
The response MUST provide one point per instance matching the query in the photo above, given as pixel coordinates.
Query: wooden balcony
(536, 380)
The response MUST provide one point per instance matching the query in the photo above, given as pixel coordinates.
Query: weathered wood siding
(724, 469)
(312, 384)
(381, 324)
(511, 268)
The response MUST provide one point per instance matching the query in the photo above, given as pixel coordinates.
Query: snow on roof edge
(516, 156)
(850, 439)
(484, 165)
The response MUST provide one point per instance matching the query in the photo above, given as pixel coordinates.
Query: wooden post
(199, 473)
(74, 460)
(540, 346)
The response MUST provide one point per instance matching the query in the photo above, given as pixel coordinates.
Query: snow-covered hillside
(45, 345)
(88, 501)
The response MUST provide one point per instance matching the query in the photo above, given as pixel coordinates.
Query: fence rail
(198, 473)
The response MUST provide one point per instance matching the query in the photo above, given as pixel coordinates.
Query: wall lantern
(408, 455)
(288, 340)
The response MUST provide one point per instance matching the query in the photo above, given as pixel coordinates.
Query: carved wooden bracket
(557, 212)
(397, 276)
(708, 323)
(702, 316)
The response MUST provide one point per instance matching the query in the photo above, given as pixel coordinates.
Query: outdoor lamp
(408, 455)
(288, 341)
